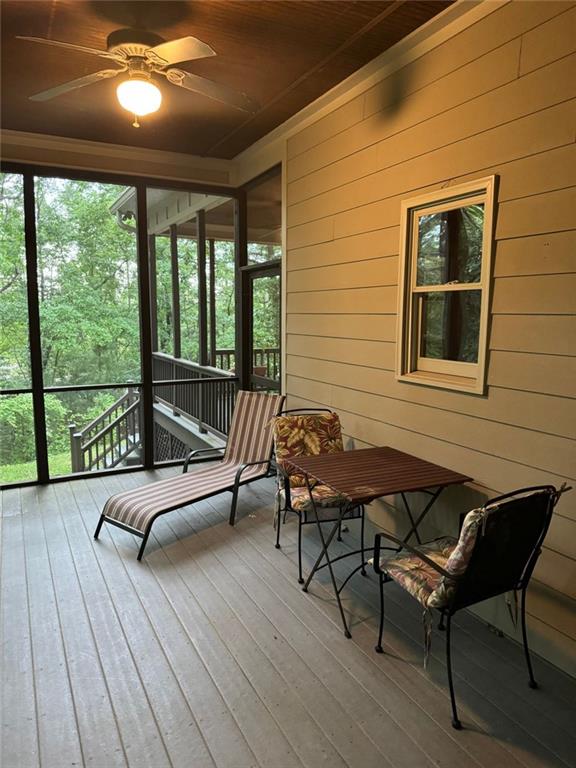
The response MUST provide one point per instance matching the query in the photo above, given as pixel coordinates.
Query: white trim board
(44, 149)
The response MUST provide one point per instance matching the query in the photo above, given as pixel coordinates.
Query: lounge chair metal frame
(196, 457)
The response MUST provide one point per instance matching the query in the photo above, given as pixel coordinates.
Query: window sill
(444, 381)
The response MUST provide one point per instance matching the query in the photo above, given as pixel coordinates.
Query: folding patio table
(363, 475)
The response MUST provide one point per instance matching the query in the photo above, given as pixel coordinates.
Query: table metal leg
(324, 554)
(415, 524)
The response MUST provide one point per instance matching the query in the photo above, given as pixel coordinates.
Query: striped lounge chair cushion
(138, 507)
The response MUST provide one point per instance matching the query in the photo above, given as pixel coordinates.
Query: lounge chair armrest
(194, 457)
(242, 467)
(409, 548)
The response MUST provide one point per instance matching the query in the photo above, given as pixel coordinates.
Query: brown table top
(366, 474)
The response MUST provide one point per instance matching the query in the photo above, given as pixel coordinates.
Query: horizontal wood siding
(497, 98)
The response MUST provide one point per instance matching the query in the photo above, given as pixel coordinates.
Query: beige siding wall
(496, 98)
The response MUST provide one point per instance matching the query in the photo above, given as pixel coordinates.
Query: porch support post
(212, 291)
(36, 368)
(153, 291)
(177, 347)
(242, 293)
(202, 299)
(147, 394)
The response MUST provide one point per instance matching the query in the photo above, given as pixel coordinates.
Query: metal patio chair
(246, 458)
(495, 553)
(302, 432)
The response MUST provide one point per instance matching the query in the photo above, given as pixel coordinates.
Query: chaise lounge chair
(246, 458)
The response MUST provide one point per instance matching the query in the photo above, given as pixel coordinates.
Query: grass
(20, 473)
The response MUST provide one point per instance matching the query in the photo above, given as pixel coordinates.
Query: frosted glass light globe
(139, 96)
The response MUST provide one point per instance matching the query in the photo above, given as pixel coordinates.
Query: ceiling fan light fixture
(139, 96)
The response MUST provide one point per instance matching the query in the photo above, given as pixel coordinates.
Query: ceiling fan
(142, 54)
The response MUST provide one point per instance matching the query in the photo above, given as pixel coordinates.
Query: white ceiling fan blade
(72, 46)
(58, 90)
(183, 49)
(211, 89)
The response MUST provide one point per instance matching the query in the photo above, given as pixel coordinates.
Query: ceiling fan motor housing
(132, 42)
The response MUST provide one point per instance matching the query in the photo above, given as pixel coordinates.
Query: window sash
(452, 374)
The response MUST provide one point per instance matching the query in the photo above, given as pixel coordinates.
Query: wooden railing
(109, 438)
(265, 361)
(208, 399)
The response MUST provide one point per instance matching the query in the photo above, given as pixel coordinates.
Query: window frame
(410, 365)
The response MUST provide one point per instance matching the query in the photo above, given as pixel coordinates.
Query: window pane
(17, 446)
(450, 325)
(14, 347)
(88, 283)
(450, 246)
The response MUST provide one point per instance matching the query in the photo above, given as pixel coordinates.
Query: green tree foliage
(17, 426)
(14, 355)
(87, 283)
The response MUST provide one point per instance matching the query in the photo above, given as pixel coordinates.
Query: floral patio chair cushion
(428, 586)
(309, 434)
(323, 495)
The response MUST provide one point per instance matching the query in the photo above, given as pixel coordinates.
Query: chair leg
(232, 518)
(339, 537)
(99, 526)
(532, 682)
(300, 577)
(441, 626)
(278, 524)
(362, 526)
(379, 648)
(455, 721)
(144, 542)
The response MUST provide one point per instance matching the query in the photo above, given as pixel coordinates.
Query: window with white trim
(445, 264)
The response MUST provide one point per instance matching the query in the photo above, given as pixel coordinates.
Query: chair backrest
(250, 436)
(503, 542)
(306, 434)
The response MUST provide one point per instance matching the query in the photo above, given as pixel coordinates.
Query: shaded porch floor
(208, 653)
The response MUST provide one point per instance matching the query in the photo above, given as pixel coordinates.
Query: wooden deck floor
(208, 653)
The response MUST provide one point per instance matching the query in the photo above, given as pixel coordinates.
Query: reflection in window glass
(14, 347)
(264, 216)
(450, 323)
(17, 446)
(450, 246)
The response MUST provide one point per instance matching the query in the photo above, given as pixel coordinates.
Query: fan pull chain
(135, 124)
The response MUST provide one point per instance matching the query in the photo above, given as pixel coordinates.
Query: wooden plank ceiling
(282, 53)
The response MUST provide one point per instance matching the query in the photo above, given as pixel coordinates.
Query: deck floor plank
(181, 736)
(207, 654)
(482, 670)
(395, 667)
(379, 724)
(312, 702)
(496, 720)
(18, 712)
(519, 723)
(261, 730)
(98, 731)
(221, 734)
(57, 718)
